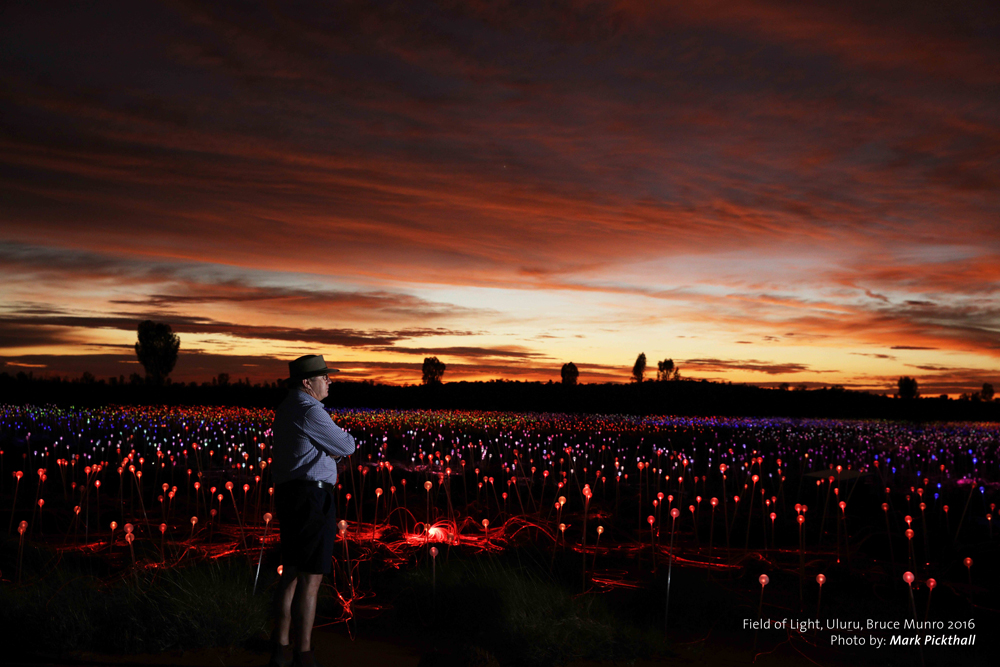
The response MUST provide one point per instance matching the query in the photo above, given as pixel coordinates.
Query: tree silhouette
(908, 387)
(987, 392)
(157, 350)
(640, 367)
(665, 370)
(569, 374)
(433, 370)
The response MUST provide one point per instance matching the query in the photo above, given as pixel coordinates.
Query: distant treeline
(684, 397)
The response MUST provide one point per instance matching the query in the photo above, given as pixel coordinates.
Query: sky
(766, 192)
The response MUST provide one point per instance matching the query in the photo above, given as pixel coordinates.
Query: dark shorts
(307, 521)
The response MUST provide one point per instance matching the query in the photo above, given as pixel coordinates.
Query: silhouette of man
(307, 445)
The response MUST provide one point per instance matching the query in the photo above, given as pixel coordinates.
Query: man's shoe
(281, 656)
(305, 659)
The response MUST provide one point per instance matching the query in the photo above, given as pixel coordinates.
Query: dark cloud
(467, 352)
(717, 365)
(15, 329)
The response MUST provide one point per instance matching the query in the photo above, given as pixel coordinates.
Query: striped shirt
(307, 442)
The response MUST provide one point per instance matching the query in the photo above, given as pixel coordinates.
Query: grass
(69, 604)
(512, 611)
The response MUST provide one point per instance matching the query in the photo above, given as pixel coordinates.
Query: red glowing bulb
(674, 513)
(650, 520)
(764, 580)
(427, 485)
(114, 524)
(885, 507)
(820, 579)
(714, 502)
(434, 552)
(600, 529)
(931, 584)
(163, 528)
(842, 505)
(774, 516)
(908, 577)
(194, 519)
(128, 528)
(909, 533)
(802, 519)
(21, 527)
(967, 562)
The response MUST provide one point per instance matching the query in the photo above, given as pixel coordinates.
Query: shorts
(307, 521)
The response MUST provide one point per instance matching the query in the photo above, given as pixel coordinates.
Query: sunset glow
(765, 192)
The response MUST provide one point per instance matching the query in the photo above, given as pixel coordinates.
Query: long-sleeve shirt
(306, 440)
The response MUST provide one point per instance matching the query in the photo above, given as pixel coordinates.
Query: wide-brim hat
(308, 366)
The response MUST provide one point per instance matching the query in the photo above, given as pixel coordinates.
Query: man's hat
(308, 366)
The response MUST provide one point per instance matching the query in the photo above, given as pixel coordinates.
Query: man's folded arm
(330, 438)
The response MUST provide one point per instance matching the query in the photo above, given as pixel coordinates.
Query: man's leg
(283, 601)
(304, 609)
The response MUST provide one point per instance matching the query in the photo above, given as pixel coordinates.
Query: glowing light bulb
(764, 580)
(820, 579)
(908, 577)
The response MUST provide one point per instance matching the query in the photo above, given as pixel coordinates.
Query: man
(307, 445)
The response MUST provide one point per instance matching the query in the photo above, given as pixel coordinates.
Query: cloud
(21, 329)
(511, 352)
(717, 365)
